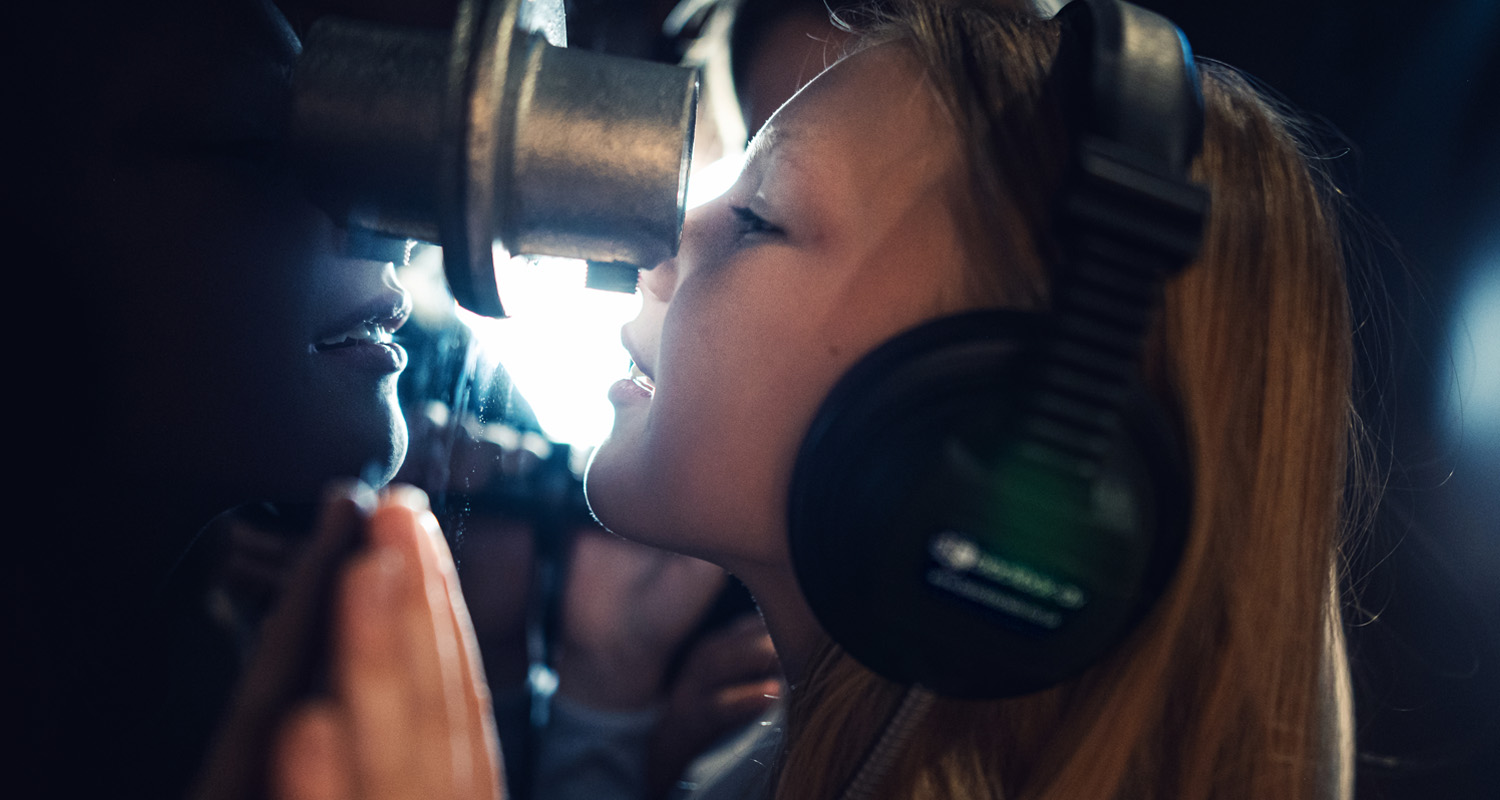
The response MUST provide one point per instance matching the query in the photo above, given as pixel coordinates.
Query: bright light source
(561, 344)
(714, 179)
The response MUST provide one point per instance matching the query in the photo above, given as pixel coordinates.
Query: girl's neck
(794, 631)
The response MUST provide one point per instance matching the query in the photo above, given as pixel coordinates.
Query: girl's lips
(642, 378)
(628, 391)
(378, 357)
(363, 338)
(374, 321)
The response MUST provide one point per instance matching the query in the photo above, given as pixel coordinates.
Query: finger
(401, 663)
(370, 680)
(430, 650)
(290, 659)
(465, 747)
(471, 716)
(311, 758)
(299, 628)
(405, 523)
(472, 744)
(393, 663)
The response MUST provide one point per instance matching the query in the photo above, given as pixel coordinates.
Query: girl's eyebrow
(780, 137)
(784, 144)
(762, 146)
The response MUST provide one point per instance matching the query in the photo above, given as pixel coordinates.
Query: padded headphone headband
(1142, 88)
(1128, 215)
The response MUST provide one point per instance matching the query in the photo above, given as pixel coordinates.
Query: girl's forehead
(869, 113)
(874, 82)
(860, 166)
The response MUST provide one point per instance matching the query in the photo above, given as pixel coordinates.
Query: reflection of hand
(626, 609)
(729, 678)
(409, 715)
(288, 658)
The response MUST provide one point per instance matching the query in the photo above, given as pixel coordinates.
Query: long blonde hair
(1235, 685)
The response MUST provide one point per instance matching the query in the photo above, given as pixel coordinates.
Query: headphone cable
(899, 730)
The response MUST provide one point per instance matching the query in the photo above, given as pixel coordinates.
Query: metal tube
(366, 120)
(495, 136)
(598, 144)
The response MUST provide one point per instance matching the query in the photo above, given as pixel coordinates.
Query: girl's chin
(597, 491)
(620, 504)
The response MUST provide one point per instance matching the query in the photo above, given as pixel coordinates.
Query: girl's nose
(659, 282)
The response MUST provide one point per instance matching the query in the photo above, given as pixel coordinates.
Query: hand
(729, 678)
(409, 715)
(626, 609)
(290, 659)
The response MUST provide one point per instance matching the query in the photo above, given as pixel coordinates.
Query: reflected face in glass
(250, 355)
(841, 232)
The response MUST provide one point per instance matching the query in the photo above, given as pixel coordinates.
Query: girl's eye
(751, 222)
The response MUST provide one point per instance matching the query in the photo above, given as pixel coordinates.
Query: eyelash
(751, 222)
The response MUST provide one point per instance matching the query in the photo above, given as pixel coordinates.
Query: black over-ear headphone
(986, 504)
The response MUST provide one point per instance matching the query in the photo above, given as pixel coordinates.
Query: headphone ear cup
(933, 555)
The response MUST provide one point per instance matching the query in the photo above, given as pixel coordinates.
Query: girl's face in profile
(843, 230)
(255, 353)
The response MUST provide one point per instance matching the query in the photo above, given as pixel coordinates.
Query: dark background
(1402, 96)
(1414, 88)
